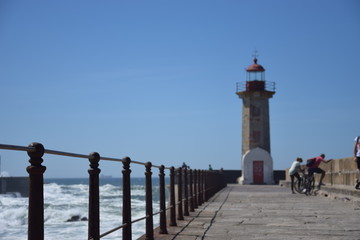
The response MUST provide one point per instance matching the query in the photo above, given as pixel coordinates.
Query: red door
(258, 172)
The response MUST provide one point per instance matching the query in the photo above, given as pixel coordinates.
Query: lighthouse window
(252, 76)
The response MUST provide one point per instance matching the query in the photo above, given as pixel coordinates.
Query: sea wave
(66, 210)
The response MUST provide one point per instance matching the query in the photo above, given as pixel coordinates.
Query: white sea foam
(4, 174)
(64, 201)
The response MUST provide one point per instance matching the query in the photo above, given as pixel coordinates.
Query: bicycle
(310, 185)
(300, 186)
(306, 185)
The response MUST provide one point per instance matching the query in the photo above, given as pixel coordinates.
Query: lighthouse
(255, 92)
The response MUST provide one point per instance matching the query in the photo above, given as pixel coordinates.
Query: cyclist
(314, 167)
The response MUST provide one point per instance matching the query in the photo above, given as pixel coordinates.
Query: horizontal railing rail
(243, 86)
(194, 187)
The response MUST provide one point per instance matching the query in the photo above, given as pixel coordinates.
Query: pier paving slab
(268, 212)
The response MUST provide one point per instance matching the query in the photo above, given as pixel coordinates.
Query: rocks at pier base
(76, 218)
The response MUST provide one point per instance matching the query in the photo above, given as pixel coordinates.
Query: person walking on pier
(294, 172)
(314, 167)
(357, 160)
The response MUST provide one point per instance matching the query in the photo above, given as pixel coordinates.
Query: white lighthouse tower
(257, 163)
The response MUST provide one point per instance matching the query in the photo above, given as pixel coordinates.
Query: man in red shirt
(314, 168)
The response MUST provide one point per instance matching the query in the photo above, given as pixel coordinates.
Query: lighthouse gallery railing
(194, 188)
(255, 86)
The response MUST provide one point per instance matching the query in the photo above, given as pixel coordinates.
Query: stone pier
(269, 212)
(15, 185)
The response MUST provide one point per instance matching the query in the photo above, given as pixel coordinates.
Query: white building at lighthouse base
(257, 167)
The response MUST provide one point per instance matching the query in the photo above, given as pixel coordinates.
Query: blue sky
(156, 80)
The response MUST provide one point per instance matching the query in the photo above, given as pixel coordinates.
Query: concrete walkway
(268, 212)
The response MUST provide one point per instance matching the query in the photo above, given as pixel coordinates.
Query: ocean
(67, 199)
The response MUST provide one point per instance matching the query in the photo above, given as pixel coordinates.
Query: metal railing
(194, 187)
(244, 86)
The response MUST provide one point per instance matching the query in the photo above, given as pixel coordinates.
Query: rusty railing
(194, 187)
(255, 86)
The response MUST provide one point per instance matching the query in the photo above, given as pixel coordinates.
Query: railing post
(163, 229)
(126, 218)
(204, 185)
(211, 179)
(180, 205)
(94, 214)
(191, 185)
(186, 195)
(200, 201)
(208, 186)
(172, 198)
(224, 184)
(149, 209)
(36, 192)
(195, 196)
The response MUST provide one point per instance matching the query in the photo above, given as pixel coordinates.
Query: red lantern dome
(255, 67)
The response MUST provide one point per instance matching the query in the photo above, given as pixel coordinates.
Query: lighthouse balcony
(252, 86)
